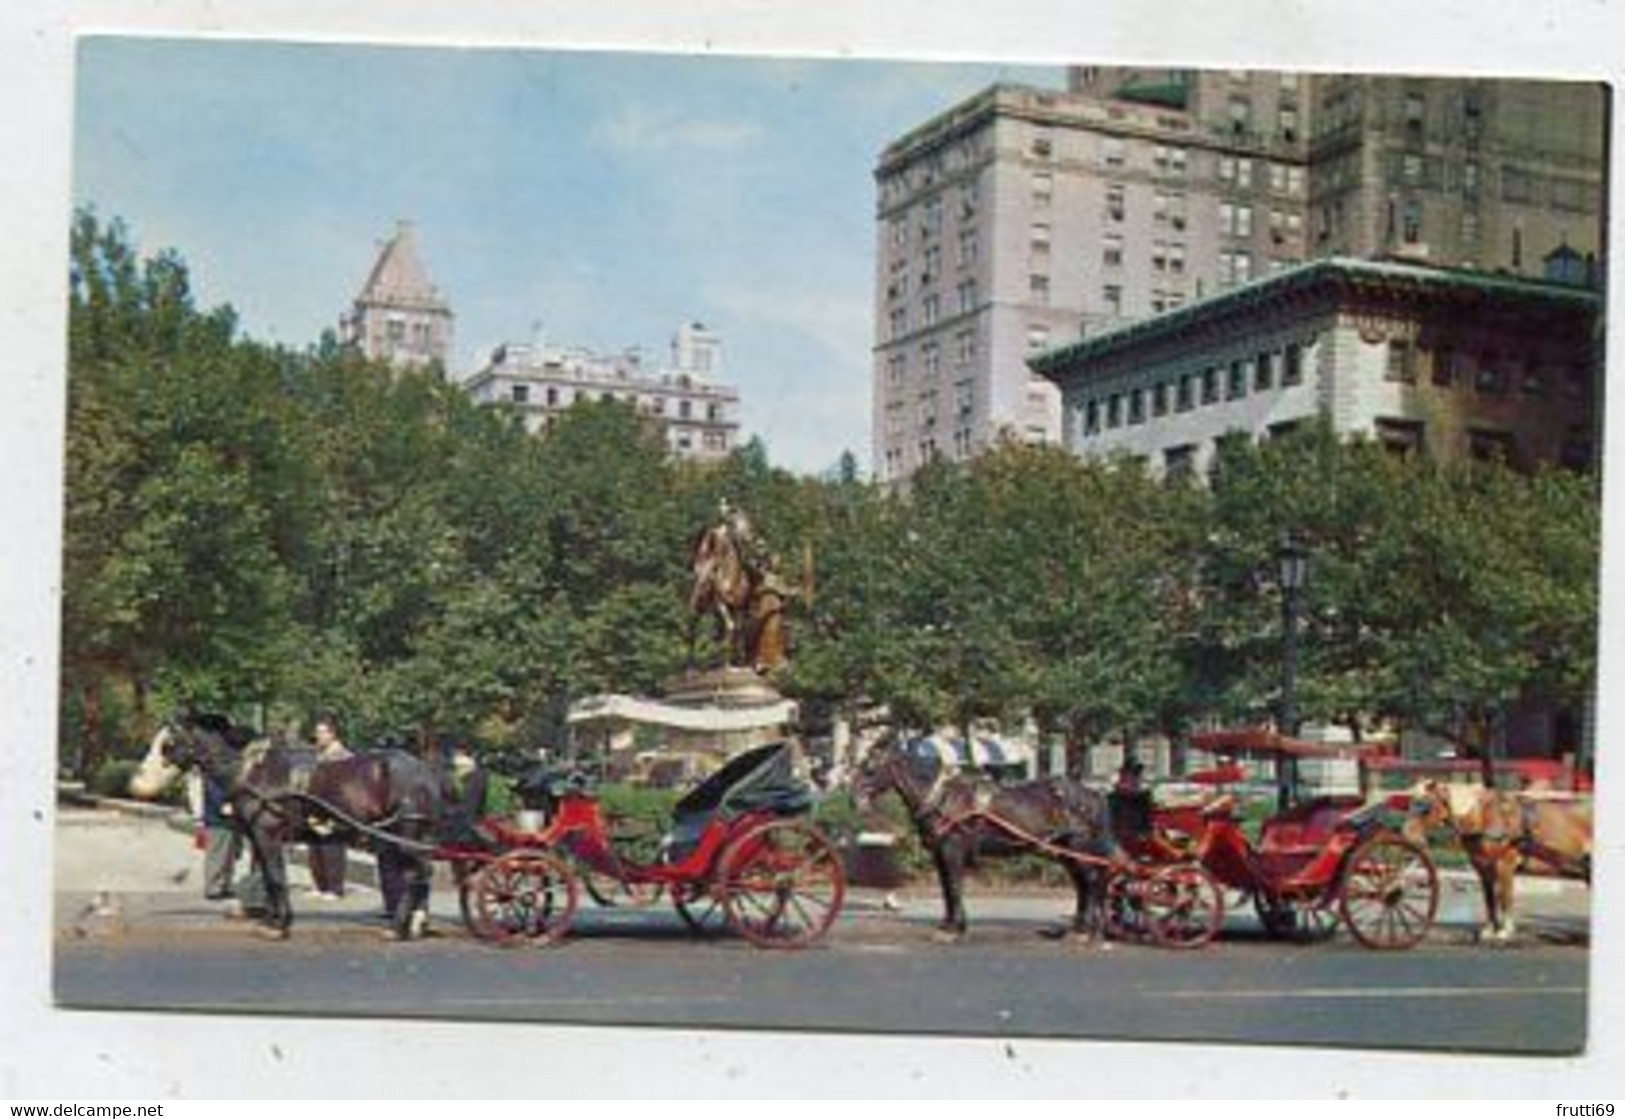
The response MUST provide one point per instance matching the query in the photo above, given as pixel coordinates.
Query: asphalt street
(133, 932)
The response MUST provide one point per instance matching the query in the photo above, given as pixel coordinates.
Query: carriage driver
(327, 857)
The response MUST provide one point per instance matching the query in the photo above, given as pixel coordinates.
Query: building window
(1043, 144)
(1116, 202)
(1037, 337)
(1043, 189)
(1136, 406)
(967, 296)
(1411, 230)
(932, 309)
(685, 410)
(1112, 250)
(1490, 377)
(1113, 151)
(1176, 258)
(1113, 297)
(1114, 410)
(1210, 386)
(1444, 367)
(931, 359)
(1237, 386)
(1288, 123)
(965, 348)
(1400, 437)
(1179, 463)
(1091, 417)
(1401, 361)
(1039, 239)
(553, 398)
(967, 246)
(1184, 396)
(1264, 372)
(1292, 366)
(1159, 399)
(1038, 288)
(521, 394)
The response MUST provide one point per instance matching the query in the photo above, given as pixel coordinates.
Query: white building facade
(700, 416)
(1444, 363)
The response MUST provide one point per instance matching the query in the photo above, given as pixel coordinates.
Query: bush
(112, 778)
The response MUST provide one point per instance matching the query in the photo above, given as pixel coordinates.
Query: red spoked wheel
(523, 898)
(699, 907)
(781, 884)
(1390, 893)
(1125, 906)
(1304, 919)
(1182, 905)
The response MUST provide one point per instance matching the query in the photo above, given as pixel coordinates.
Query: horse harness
(940, 820)
(1503, 824)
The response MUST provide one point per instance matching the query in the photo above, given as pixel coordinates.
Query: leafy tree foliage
(300, 530)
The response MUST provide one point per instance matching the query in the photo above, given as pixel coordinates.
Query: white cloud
(644, 129)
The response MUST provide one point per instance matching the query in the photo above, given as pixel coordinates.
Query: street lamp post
(1294, 565)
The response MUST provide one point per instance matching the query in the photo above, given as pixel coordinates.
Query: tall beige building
(1025, 219)
(400, 316)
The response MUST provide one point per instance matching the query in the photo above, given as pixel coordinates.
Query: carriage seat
(760, 780)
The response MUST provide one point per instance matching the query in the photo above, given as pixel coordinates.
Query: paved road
(161, 946)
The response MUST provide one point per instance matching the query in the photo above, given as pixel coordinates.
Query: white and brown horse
(1502, 834)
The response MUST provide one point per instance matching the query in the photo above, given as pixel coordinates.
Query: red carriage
(740, 850)
(1320, 862)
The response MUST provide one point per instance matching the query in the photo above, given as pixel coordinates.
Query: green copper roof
(1307, 277)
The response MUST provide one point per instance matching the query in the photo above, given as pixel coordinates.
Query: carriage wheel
(611, 892)
(1303, 920)
(1183, 906)
(1125, 906)
(524, 897)
(699, 907)
(782, 884)
(1390, 893)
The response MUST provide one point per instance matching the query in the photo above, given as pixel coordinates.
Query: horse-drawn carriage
(1321, 861)
(739, 850)
(1160, 873)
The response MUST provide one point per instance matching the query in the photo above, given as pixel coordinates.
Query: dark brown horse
(386, 800)
(960, 818)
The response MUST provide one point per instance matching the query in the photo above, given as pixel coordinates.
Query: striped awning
(979, 752)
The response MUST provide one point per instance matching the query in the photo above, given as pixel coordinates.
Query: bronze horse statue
(388, 800)
(960, 818)
(722, 587)
(1503, 833)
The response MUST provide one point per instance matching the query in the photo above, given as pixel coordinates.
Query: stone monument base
(726, 688)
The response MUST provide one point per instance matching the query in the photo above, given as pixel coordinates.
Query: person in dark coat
(328, 857)
(223, 843)
(470, 788)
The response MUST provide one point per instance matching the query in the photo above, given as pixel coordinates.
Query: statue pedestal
(710, 715)
(727, 688)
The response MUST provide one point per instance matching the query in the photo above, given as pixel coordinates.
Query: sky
(598, 199)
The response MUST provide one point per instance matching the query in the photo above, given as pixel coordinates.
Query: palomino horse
(959, 818)
(389, 799)
(1503, 833)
